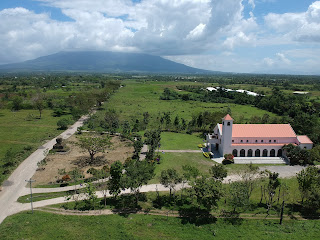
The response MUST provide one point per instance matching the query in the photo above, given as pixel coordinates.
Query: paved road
(15, 185)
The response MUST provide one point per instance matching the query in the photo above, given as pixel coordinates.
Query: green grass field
(23, 128)
(42, 225)
(179, 141)
(177, 160)
(138, 97)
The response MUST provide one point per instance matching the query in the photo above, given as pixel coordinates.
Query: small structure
(300, 93)
(59, 146)
(254, 140)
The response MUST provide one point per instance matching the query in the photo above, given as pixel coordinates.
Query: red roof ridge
(227, 117)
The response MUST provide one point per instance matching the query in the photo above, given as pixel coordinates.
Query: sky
(244, 36)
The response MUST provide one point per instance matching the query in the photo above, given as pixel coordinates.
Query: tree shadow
(231, 217)
(84, 161)
(195, 215)
(305, 212)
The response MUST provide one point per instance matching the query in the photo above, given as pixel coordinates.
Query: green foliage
(218, 172)
(296, 155)
(115, 181)
(239, 195)
(17, 103)
(93, 145)
(170, 178)
(136, 174)
(206, 191)
(309, 186)
(63, 123)
(91, 197)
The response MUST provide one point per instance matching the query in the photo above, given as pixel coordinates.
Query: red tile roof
(262, 130)
(260, 144)
(303, 139)
(227, 117)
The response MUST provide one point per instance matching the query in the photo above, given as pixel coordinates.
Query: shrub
(227, 161)
(66, 178)
(63, 123)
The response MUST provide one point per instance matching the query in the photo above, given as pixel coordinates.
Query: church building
(254, 140)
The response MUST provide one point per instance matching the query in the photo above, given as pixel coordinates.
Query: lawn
(22, 132)
(179, 141)
(42, 225)
(177, 160)
(138, 97)
(24, 128)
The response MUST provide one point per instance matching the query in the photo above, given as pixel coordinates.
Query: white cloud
(301, 27)
(162, 27)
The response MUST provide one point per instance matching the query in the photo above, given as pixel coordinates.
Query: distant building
(300, 93)
(254, 140)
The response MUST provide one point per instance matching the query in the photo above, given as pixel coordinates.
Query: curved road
(15, 185)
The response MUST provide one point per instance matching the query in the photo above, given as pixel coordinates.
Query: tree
(137, 173)
(297, 155)
(91, 196)
(206, 191)
(309, 181)
(93, 145)
(239, 194)
(115, 181)
(17, 103)
(218, 172)
(170, 178)
(153, 138)
(39, 104)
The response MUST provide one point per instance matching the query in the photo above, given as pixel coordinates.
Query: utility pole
(30, 181)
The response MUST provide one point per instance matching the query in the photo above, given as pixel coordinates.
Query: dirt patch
(77, 158)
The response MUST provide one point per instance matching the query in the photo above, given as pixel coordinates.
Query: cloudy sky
(268, 36)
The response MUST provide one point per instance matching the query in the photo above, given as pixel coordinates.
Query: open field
(24, 128)
(138, 97)
(50, 226)
(179, 141)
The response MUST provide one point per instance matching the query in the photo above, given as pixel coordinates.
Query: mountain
(94, 61)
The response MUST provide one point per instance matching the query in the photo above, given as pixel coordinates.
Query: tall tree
(136, 174)
(170, 178)
(115, 181)
(93, 145)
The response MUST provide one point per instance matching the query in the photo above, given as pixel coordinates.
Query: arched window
(272, 153)
(250, 153)
(257, 153)
(235, 152)
(279, 153)
(242, 153)
(265, 153)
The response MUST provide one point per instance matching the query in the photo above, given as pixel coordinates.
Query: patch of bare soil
(120, 150)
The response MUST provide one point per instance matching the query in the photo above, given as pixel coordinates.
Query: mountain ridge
(102, 62)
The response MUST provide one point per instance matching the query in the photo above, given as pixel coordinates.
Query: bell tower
(226, 142)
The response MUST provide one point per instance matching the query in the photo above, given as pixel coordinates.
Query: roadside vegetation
(43, 225)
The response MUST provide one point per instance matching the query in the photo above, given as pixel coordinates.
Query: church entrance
(257, 153)
(242, 153)
(250, 153)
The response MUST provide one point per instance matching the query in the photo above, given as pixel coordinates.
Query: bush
(227, 161)
(63, 123)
